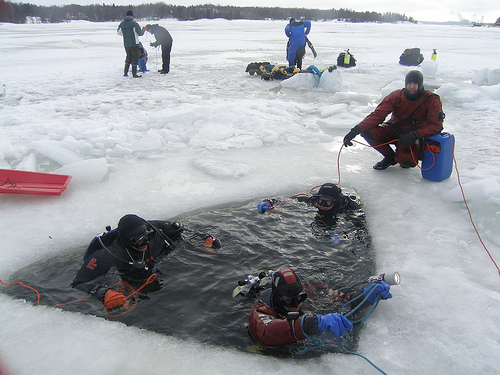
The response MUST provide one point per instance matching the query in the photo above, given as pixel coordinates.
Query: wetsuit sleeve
(172, 229)
(270, 330)
(351, 205)
(380, 113)
(88, 277)
(433, 124)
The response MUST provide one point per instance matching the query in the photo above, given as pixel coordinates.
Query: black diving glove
(350, 136)
(407, 139)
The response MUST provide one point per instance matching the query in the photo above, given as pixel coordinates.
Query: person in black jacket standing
(164, 39)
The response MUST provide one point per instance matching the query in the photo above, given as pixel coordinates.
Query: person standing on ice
(130, 30)
(130, 253)
(282, 322)
(416, 113)
(164, 39)
(296, 31)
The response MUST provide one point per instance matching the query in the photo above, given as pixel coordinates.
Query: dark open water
(194, 298)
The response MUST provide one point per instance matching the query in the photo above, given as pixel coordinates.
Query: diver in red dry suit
(281, 321)
(416, 113)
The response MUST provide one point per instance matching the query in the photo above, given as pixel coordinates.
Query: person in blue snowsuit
(296, 31)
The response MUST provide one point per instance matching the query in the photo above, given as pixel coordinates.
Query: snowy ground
(207, 134)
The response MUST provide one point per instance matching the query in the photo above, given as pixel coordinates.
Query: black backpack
(411, 57)
(346, 59)
(254, 67)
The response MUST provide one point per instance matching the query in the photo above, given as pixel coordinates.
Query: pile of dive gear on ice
(269, 71)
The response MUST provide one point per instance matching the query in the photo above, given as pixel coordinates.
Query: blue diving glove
(264, 206)
(337, 324)
(377, 288)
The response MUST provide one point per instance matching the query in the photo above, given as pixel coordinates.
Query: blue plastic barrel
(437, 162)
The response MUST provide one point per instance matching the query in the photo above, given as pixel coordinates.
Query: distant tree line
(20, 12)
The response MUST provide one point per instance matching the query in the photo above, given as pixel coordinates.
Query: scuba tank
(434, 56)
(347, 58)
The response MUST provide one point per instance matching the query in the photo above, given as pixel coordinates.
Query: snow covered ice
(207, 134)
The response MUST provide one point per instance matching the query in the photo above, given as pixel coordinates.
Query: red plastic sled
(21, 182)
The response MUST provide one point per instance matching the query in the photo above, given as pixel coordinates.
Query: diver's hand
(337, 324)
(264, 206)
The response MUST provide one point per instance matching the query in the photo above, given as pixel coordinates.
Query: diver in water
(282, 322)
(330, 202)
(133, 249)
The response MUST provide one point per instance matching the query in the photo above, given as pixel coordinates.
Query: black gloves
(350, 136)
(408, 138)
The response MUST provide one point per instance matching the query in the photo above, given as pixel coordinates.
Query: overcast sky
(423, 10)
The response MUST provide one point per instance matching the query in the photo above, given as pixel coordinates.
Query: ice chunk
(85, 171)
(487, 77)
(446, 90)
(302, 80)
(492, 92)
(55, 151)
(429, 69)
(393, 86)
(6, 148)
(29, 163)
(331, 81)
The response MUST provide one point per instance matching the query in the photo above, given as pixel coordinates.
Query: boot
(386, 162)
(408, 164)
(134, 71)
(125, 70)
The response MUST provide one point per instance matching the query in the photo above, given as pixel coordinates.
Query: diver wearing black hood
(416, 113)
(416, 78)
(131, 253)
(330, 202)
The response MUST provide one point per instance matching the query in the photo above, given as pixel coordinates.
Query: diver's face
(412, 87)
(293, 309)
(293, 304)
(140, 243)
(325, 203)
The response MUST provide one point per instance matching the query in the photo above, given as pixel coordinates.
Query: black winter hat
(329, 190)
(131, 226)
(415, 76)
(130, 13)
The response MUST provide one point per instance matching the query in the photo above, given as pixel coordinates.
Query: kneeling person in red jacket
(281, 321)
(416, 113)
